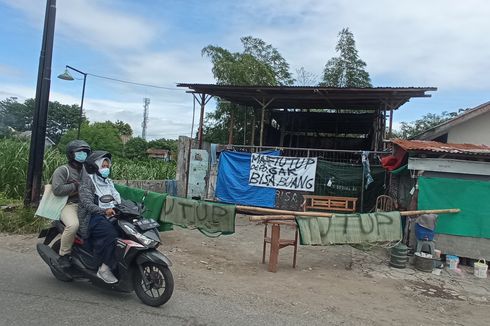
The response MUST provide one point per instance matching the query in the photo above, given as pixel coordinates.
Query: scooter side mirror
(106, 199)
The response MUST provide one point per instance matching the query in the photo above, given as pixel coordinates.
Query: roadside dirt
(333, 285)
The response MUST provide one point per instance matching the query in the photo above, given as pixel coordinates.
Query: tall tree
(346, 70)
(61, 117)
(136, 148)
(162, 143)
(305, 78)
(259, 64)
(124, 128)
(99, 135)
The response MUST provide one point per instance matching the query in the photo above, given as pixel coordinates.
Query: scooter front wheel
(155, 285)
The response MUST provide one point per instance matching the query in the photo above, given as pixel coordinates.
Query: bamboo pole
(261, 210)
(258, 218)
(431, 211)
(292, 214)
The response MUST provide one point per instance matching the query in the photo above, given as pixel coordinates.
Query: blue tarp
(232, 183)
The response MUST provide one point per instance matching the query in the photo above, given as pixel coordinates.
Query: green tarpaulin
(209, 217)
(350, 228)
(472, 197)
(345, 179)
(153, 202)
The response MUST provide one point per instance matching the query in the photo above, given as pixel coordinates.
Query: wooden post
(201, 118)
(202, 100)
(391, 123)
(274, 253)
(262, 127)
(230, 128)
(252, 142)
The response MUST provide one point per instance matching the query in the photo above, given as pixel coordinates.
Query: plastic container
(424, 264)
(423, 233)
(437, 254)
(452, 261)
(480, 268)
(399, 256)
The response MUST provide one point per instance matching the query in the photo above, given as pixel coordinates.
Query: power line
(134, 83)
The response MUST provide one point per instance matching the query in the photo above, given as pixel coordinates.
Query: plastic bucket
(452, 261)
(422, 233)
(480, 269)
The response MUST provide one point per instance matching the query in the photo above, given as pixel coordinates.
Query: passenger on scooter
(94, 215)
(65, 182)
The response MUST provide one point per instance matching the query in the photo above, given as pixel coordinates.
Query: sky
(438, 43)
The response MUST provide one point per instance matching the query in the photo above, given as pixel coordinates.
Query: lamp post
(67, 76)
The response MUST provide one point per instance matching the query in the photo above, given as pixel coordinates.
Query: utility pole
(144, 124)
(38, 131)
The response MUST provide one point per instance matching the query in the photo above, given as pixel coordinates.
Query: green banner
(350, 228)
(209, 217)
(153, 202)
(471, 196)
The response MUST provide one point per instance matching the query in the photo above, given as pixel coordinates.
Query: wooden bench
(329, 203)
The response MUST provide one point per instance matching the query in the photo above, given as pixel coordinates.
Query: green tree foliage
(99, 135)
(162, 143)
(19, 116)
(259, 64)
(346, 70)
(136, 148)
(123, 128)
(413, 128)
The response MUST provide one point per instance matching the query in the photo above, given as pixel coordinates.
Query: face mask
(104, 172)
(80, 156)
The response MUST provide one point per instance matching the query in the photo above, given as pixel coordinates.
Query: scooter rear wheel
(160, 284)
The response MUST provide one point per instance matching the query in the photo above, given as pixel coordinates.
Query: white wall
(474, 131)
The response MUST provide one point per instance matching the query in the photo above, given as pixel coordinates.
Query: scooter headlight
(142, 238)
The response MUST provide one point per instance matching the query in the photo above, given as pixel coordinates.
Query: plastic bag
(51, 206)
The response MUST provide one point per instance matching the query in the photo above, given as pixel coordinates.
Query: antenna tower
(144, 124)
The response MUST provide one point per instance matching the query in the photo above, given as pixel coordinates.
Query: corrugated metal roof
(437, 147)
(191, 85)
(312, 97)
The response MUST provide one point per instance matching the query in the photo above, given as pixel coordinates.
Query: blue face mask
(80, 156)
(104, 172)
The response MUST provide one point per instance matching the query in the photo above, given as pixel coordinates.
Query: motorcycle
(140, 266)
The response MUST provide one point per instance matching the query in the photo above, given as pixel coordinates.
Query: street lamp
(67, 76)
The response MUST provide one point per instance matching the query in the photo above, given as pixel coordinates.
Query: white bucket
(480, 269)
(453, 261)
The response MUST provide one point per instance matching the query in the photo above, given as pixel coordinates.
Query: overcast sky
(404, 43)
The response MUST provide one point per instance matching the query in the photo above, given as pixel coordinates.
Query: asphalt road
(30, 295)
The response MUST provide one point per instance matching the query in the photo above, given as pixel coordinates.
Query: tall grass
(14, 156)
(21, 220)
(124, 169)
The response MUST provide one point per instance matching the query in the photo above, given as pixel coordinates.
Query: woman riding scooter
(94, 215)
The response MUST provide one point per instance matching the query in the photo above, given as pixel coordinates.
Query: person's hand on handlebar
(110, 212)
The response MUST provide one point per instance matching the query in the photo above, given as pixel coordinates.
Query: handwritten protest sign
(294, 173)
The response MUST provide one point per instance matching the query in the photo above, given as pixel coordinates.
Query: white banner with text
(294, 173)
